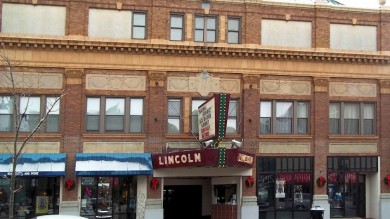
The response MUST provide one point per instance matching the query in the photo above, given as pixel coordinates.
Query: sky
(348, 3)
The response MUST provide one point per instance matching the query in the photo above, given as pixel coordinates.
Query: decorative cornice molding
(191, 49)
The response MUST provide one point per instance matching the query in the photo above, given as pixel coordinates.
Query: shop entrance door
(184, 201)
(361, 210)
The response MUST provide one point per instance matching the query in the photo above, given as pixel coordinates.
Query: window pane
(177, 21)
(368, 126)
(303, 110)
(369, 111)
(176, 34)
(232, 108)
(265, 125)
(139, 19)
(283, 125)
(52, 123)
(334, 118)
(211, 24)
(265, 109)
(93, 106)
(174, 107)
(334, 126)
(29, 122)
(210, 36)
(30, 105)
(114, 123)
(136, 107)
(6, 105)
(233, 24)
(199, 23)
(351, 118)
(92, 123)
(136, 124)
(334, 110)
(302, 126)
(284, 109)
(6, 123)
(231, 126)
(55, 106)
(115, 106)
(199, 35)
(173, 126)
(138, 32)
(233, 37)
(194, 122)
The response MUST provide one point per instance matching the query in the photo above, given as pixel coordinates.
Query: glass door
(104, 197)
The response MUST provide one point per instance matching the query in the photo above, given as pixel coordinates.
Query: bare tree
(22, 136)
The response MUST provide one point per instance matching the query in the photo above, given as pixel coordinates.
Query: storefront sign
(25, 173)
(204, 157)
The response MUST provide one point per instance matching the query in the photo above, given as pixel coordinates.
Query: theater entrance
(183, 201)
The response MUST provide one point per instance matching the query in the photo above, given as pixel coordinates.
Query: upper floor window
(111, 114)
(353, 37)
(195, 111)
(352, 118)
(286, 33)
(177, 27)
(33, 19)
(139, 25)
(234, 30)
(205, 29)
(116, 24)
(174, 116)
(284, 117)
(31, 111)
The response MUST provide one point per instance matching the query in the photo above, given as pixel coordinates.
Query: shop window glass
(109, 197)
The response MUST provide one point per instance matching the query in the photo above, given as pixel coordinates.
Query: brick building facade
(310, 94)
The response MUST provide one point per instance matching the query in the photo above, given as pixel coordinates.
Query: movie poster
(280, 189)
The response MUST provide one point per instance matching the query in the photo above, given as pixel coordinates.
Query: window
(33, 19)
(194, 122)
(139, 25)
(30, 112)
(174, 116)
(114, 114)
(284, 117)
(6, 114)
(352, 118)
(177, 25)
(109, 23)
(234, 30)
(353, 37)
(231, 126)
(205, 29)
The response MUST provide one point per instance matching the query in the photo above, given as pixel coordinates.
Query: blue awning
(34, 164)
(113, 164)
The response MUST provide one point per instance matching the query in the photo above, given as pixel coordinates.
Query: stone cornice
(162, 47)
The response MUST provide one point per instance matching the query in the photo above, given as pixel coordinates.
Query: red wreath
(154, 183)
(69, 185)
(249, 182)
(386, 180)
(321, 181)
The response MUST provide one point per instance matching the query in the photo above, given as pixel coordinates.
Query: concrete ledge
(69, 208)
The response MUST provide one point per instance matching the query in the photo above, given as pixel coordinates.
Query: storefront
(348, 178)
(212, 179)
(284, 187)
(109, 183)
(37, 184)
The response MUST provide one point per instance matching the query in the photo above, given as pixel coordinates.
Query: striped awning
(34, 164)
(113, 164)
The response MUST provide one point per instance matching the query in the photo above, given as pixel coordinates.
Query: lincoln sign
(202, 158)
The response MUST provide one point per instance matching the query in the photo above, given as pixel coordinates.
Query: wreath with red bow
(154, 183)
(69, 185)
(386, 180)
(249, 182)
(321, 181)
